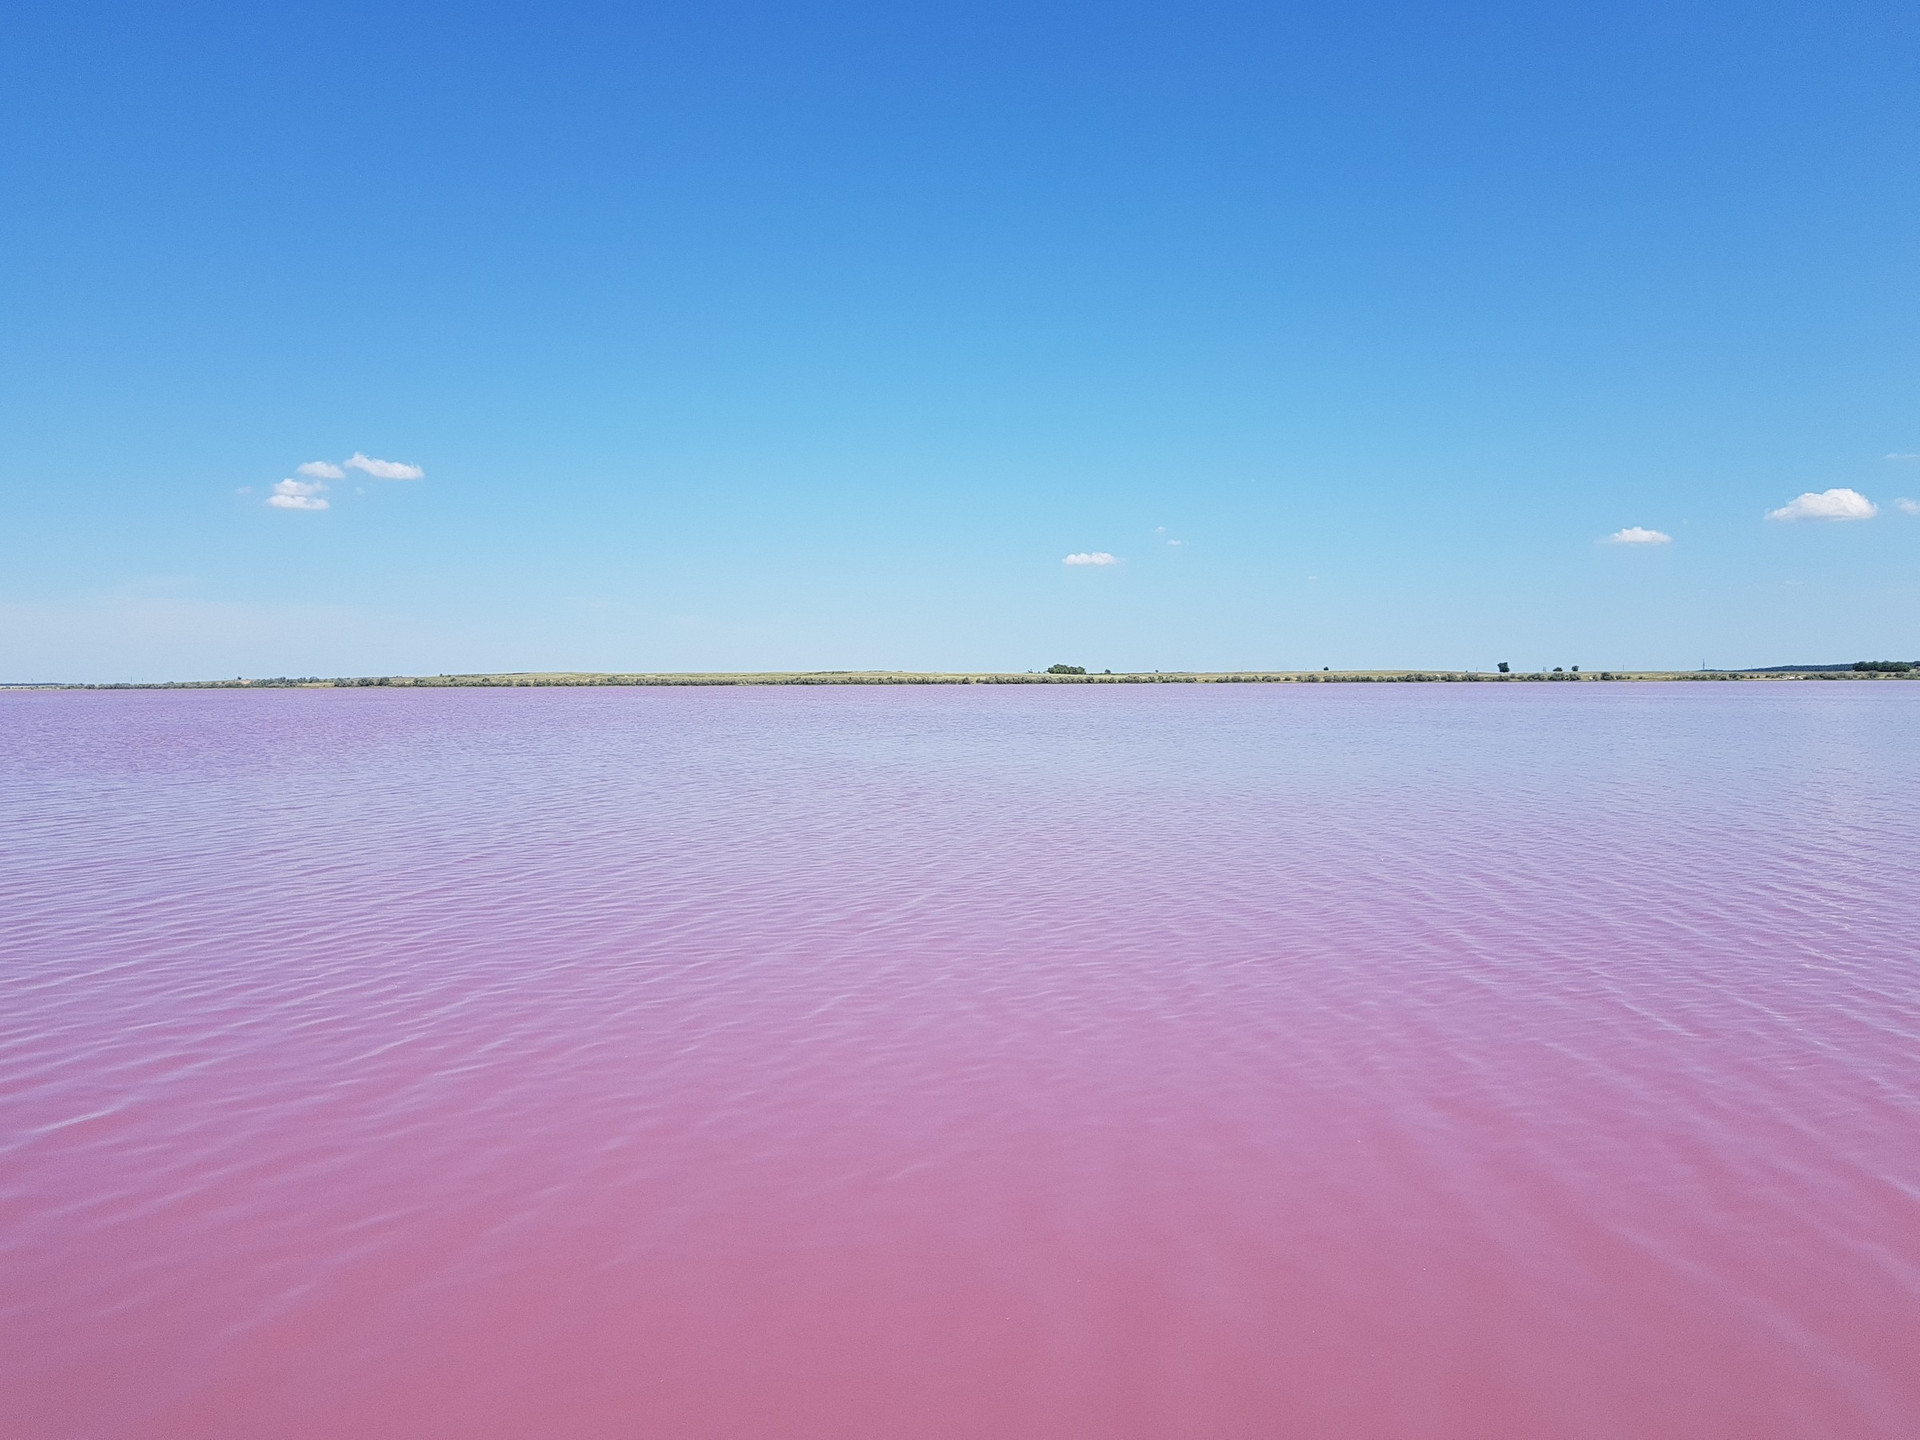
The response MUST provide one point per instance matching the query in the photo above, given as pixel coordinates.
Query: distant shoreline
(566, 679)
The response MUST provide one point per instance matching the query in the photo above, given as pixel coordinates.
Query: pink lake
(1474, 1062)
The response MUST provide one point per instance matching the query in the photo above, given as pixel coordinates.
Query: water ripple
(1190, 1061)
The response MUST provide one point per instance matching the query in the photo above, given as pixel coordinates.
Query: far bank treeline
(1867, 670)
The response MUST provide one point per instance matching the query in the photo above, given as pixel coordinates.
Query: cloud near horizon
(1638, 535)
(321, 470)
(384, 469)
(1091, 557)
(1835, 504)
(1909, 507)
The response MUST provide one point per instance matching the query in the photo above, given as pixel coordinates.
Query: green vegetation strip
(1060, 675)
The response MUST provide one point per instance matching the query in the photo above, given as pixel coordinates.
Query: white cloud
(1836, 504)
(321, 470)
(298, 495)
(1910, 507)
(1091, 557)
(385, 469)
(1176, 542)
(1903, 456)
(1637, 535)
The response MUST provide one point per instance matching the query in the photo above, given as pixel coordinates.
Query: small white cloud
(298, 495)
(385, 469)
(243, 490)
(1638, 535)
(1836, 504)
(321, 470)
(1176, 542)
(1091, 557)
(1909, 507)
(1901, 455)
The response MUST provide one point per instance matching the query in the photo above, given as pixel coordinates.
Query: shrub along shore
(1865, 671)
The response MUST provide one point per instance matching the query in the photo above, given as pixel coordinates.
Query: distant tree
(1066, 669)
(1503, 667)
(1884, 667)
(1558, 671)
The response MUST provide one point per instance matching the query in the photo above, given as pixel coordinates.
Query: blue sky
(817, 336)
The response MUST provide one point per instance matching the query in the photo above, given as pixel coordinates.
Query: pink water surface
(1229, 1061)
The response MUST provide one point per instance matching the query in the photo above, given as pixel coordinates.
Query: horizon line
(1865, 670)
